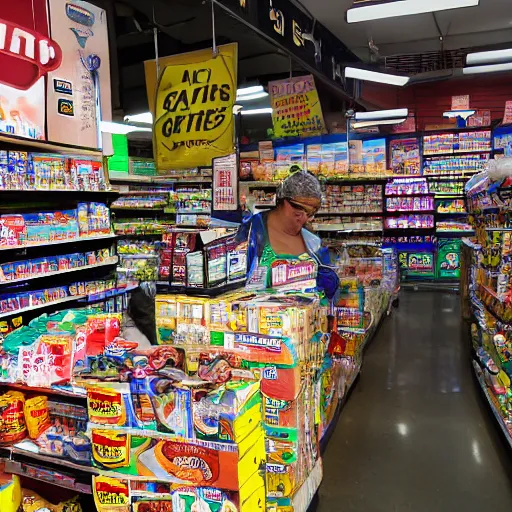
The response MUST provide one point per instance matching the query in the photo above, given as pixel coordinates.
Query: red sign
(460, 102)
(26, 52)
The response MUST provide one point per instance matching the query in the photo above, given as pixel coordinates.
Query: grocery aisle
(414, 435)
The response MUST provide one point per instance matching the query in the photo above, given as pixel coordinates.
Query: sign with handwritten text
(194, 101)
(296, 109)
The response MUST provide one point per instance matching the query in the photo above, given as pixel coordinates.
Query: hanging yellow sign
(193, 107)
(296, 109)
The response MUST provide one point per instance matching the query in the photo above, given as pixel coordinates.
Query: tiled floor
(415, 434)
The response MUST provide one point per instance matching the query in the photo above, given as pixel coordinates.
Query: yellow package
(37, 416)
(10, 493)
(111, 449)
(111, 494)
(12, 418)
(32, 502)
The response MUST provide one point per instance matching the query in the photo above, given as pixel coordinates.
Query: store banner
(296, 108)
(79, 91)
(193, 107)
(460, 102)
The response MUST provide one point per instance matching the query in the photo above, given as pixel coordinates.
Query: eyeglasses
(308, 210)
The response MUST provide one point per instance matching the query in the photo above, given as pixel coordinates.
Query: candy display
(463, 142)
(450, 226)
(455, 165)
(410, 222)
(407, 204)
(352, 199)
(20, 170)
(19, 230)
(407, 186)
(39, 267)
(447, 206)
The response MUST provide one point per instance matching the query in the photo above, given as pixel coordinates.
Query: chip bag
(12, 418)
(37, 416)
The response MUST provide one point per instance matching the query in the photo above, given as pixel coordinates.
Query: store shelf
(59, 479)
(471, 244)
(411, 195)
(349, 214)
(160, 209)
(459, 153)
(114, 261)
(492, 405)
(67, 391)
(73, 298)
(165, 287)
(261, 184)
(193, 212)
(98, 297)
(463, 214)
(121, 177)
(42, 145)
(412, 212)
(341, 229)
(58, 242)
(56, 195)
(498, 229)
(33, 454)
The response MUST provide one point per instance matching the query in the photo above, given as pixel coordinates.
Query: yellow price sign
(193, 108)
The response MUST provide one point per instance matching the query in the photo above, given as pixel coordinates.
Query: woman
(280, 233)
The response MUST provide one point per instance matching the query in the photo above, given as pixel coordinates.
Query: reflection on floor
(415, 436)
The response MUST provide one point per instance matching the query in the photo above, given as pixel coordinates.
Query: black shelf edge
(165, 287)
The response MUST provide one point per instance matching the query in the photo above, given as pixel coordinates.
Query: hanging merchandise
(296, 108)
(193, 107)
(225, 183)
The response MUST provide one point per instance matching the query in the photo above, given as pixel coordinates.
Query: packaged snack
(32, 502)
(111, 494)
(12, 418)
(106, 405)
(83, 219)
(37, 416)
(111, 449)
(10, 493)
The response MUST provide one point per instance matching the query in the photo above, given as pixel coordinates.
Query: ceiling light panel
(493, 68)
(498, 56)
(375, 76)
(404, 8)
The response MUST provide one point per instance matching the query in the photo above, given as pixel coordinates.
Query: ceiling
(488, 24)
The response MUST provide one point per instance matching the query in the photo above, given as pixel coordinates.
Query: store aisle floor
(415, 435)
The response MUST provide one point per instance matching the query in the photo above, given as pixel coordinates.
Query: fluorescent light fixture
(120, 128)
(375, 76)
(237, 108)
(395, 8)
(397, 113)
(244, 91)
(367, 124)
(459, 113)
(145, 117)
(492, 68)
(495, 57)
(255, 96)
(256, 111)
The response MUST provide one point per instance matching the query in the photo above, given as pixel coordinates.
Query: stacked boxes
(282, 341)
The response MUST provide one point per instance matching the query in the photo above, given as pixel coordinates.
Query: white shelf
(58, 242)
(41, 306)
(156, 180)
(114, 261)
(48, 145)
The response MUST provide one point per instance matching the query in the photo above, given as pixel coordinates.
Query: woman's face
(299, 212)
